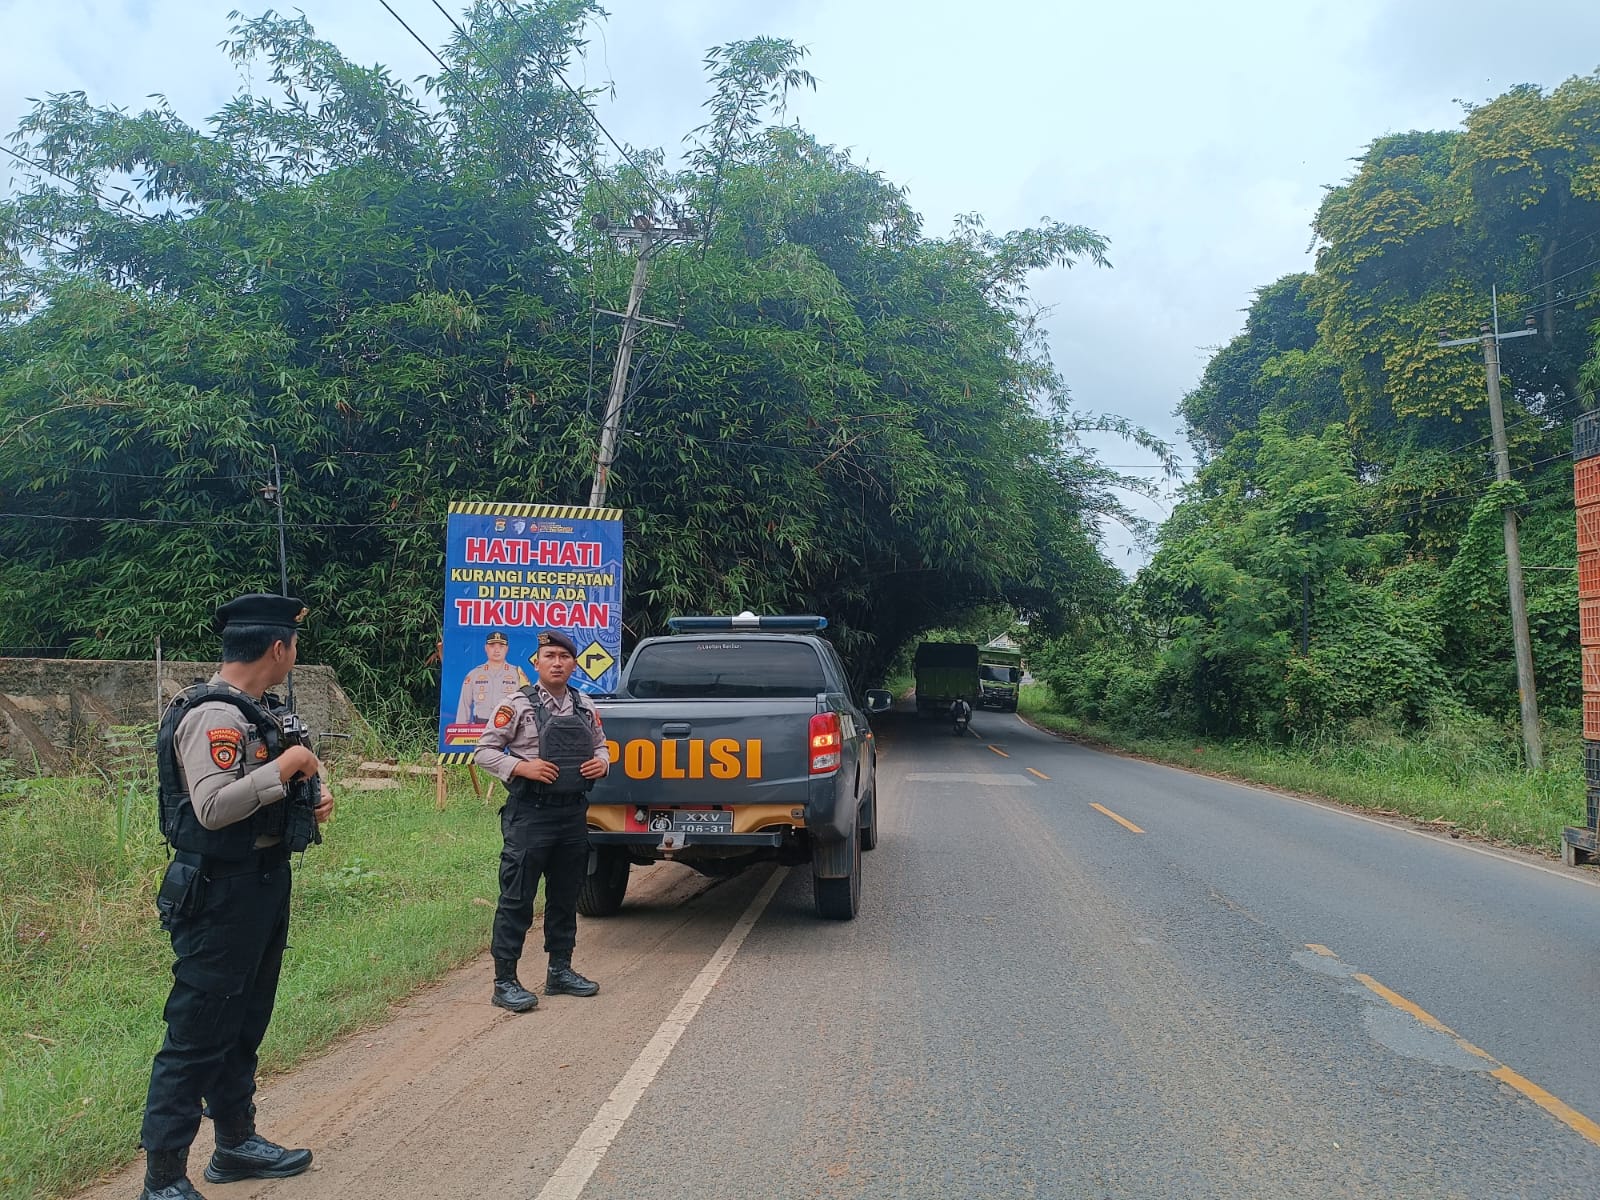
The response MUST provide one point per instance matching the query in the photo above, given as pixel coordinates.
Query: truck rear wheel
(839, 899)
(605, 886)
(869, 822)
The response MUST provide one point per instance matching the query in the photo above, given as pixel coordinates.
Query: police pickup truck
(735, 740)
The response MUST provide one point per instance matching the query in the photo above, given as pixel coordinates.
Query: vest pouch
(567, 741)
(299, 814)
(179, 895)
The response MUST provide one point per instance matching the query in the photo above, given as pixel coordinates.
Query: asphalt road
(1037, 1000)
(1252, 997)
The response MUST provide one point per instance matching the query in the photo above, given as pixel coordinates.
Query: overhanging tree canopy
(393, 293)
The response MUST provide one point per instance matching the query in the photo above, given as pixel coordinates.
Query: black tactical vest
(179, 825)
(567, 741)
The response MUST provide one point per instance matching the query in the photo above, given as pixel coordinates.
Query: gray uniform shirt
(484, 688)
(513, 732)
(224, 766)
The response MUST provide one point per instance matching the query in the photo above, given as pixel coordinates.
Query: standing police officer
(546, 743)
(488, 684)
(237, 796)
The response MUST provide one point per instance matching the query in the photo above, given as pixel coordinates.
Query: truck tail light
(826, 743)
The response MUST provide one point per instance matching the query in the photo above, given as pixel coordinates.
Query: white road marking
(969, 777)
(572, 1176)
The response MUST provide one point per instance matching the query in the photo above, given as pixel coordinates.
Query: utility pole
(1491, 337)
(649, 237)
(277, 496)
(274, 493)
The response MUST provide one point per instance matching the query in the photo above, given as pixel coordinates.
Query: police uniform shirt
(224, 763)
(485, 687)
(513, 733)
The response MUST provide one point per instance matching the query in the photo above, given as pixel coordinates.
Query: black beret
(551, 637)
(260, 608)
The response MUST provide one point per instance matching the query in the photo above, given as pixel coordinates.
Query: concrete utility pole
(648, 236)
(1491, 337)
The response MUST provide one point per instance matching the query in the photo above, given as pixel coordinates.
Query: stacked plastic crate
(1586, 497)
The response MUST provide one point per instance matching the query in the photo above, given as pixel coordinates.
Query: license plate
(691, 820)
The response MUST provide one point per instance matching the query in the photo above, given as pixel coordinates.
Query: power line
(214, 522)
(170, 477)
(531, 42)
(446, 67)
(492, 64)
(1562, 303)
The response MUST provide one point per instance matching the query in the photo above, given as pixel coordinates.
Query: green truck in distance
(945, 672)
(999, 676)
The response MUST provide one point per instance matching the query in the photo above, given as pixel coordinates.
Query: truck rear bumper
(677, 841)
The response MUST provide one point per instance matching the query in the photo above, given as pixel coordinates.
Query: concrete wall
(55, 712)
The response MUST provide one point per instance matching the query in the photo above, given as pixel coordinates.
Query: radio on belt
(748, 620)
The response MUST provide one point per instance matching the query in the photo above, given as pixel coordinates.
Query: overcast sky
(1197, 137)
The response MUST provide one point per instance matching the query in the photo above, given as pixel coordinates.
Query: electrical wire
(532, 43)
(217, 522)
(594, 172)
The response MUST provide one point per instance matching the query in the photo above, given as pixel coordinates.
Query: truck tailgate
(687, 753)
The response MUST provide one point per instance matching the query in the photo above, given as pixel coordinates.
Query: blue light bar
(748, 620)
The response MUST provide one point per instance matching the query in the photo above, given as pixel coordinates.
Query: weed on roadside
(382, 906)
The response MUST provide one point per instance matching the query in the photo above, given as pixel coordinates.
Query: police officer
(487, 684)
(546, 743)
(237, 795)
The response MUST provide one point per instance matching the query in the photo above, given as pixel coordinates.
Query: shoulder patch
(226, 743)
(502, 716)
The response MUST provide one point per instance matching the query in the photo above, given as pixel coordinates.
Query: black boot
(509, 993)
(166, 1176)
(561, 978)
(242, 1153)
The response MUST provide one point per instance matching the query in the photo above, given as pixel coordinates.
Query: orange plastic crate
(1589, 528)
(1591, 717)
(1591, 670)
(1589, 573)
(1589, 622)
(1586, 482)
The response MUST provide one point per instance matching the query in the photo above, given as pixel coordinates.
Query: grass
(1460, 776)
(396, 895)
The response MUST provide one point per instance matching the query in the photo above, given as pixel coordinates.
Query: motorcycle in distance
(960, 714)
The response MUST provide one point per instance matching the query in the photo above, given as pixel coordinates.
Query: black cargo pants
(229, 943)
(544, 836)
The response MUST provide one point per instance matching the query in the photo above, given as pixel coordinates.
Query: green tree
(388, 296)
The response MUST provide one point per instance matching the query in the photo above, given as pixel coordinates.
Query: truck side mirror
(879, 701)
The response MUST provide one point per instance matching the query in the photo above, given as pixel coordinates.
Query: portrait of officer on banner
(489, 683)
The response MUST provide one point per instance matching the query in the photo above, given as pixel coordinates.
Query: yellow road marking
(1123, 821)
(1421, 1014)
(1565, 1113)
(1570, 1117)
(1000, 752)
(1040, 774)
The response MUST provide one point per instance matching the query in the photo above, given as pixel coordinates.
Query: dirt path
(453, 1097)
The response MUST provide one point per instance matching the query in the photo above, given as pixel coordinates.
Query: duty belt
(552, 799)
(264, 859)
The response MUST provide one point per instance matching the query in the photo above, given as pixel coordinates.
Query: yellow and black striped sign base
(568, 512)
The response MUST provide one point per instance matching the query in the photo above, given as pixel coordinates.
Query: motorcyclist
(960, 714)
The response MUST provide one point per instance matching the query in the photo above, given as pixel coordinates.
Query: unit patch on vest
(502, 716)
(225, 747)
